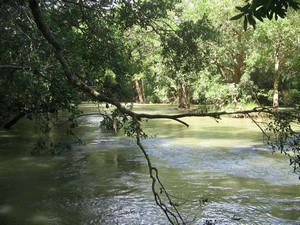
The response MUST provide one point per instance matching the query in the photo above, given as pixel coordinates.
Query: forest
(207, 58)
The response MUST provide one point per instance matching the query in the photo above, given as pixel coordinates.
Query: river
(106, 181)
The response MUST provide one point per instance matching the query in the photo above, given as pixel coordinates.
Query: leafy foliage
(116, 121)
(46, 125)
(261, 9)
(285, 136)
(186, 49)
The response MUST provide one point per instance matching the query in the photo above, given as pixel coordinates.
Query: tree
(226, 67)
(28, 86)
(275, 47)
(101, 54)
(145, 54)
(186, 52)
(229, 51)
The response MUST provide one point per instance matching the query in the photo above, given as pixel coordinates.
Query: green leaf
(294, 5)
(237, 16)
(270, 15)
(259, 17)
(251, 20)
(239, 8)
(245, 23)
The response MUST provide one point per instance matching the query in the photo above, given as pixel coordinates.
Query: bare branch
(173, 217)
(209, 114)
(180, 121)
(15, 67)
(257, 124)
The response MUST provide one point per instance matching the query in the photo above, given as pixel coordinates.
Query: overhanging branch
(71, 76)
(215, 115)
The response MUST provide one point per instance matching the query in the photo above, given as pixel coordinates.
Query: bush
(290, 97)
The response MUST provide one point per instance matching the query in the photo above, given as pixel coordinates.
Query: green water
(105, 181)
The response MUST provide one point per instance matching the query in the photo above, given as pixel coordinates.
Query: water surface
(106, 180)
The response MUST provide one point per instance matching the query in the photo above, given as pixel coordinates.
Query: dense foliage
(264, 9)
(149, 51)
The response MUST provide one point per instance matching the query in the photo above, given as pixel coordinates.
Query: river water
(106, 181)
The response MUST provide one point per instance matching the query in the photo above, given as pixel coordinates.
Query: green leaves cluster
(186, 50)
(261, 9)
(116, 121)
(285, 136)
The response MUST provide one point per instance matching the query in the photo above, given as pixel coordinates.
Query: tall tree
(275, 47)
(186, 51)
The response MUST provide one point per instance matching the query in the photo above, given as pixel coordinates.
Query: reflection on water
(106, 180)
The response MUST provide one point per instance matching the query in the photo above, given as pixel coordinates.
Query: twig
(153, 172)
(256, 123)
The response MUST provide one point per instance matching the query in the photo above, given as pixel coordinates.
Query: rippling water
(106, 180)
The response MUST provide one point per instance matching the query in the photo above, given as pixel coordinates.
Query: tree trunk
(237, 75)
(222, 72)
(276, 79)
(143, 90)
(238, 67)
(183, 96)
(12, 122)
(140, 92)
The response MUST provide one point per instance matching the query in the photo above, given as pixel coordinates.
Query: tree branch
(15, 67)
(71, 76)
(209, 114)
(10, 123)
(173, 217)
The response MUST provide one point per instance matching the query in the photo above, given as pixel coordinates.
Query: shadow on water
(106, 180)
